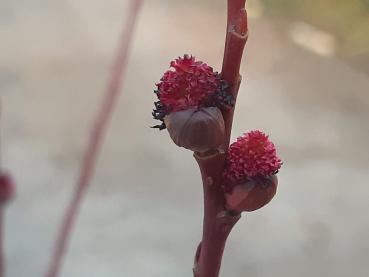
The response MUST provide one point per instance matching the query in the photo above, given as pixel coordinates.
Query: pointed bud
(252, 194)
(196, 129)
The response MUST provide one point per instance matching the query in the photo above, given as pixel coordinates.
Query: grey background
(142, 215)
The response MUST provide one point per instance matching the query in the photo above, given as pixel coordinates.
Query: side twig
(95, 141)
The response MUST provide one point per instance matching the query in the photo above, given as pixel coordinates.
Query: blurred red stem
(2, 258)
(218, 222)
(98, 130)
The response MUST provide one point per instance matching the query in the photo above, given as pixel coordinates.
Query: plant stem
(98, 129)
(218, 222)
(2, 207)
(236, 38)
(2, 258)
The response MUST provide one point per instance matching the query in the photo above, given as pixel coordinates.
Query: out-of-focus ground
(347, 20)
(142, 216)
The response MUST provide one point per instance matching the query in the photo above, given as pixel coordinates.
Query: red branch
(2, 259)
(95, 141)
(218, 222)
(237, 34)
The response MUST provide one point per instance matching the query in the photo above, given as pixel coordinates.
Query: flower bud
(252, 194)
(252, 155)
(196, 129)
(249, 178)
(7, 188)
(189, 84)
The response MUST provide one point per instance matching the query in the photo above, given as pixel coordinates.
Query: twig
(2, 260)
(236, 38)
(2, 207)
(95, 141)
(217, 221)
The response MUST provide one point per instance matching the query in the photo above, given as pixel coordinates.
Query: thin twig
(2, 254)
(2, 259)
(236, 38)
(95, 141)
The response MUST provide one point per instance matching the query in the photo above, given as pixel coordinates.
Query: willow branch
(218, 222)
(2, 258)
(236, 38)
(98, 130)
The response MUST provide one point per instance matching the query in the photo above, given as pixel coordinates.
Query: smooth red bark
(2, 258)
(218, 222)
(95, 141)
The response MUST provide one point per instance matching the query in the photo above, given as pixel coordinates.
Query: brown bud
(196, 129)
(252, 195)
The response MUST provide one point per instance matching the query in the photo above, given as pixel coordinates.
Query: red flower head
(187, 85)
(251, 156)
(190, 84)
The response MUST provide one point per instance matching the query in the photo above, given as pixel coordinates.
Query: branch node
(209, 181)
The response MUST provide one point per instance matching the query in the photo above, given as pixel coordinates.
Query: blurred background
(306, 80)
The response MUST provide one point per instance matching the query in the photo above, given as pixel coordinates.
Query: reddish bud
(7, 188)
(253, 154)
(187, 85)
(251, 195)
(196, 129)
